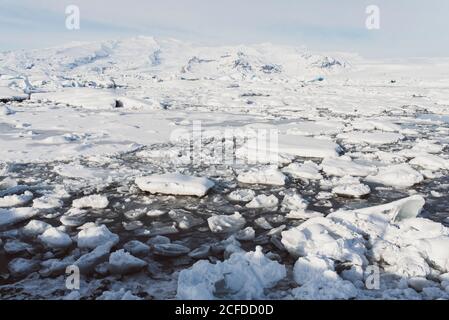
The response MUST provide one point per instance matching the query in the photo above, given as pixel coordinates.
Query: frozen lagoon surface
(97, 171)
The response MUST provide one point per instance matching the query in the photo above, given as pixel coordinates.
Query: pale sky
(408, 28)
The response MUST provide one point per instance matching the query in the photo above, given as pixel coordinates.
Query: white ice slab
(175, 183)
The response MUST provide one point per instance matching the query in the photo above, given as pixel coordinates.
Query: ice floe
(267, 176)
(122, 262)
(373, 138)
(242, 276)
(176, 184)
(308, 170)
(401, 176)
(430, 162)
(95, 201)
(264, 201)
(54, 238)
(95, 236)
(226, 223)
(14, 215)
(344, 166)
(16, 200)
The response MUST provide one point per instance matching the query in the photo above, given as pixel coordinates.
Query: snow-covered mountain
(104, 64)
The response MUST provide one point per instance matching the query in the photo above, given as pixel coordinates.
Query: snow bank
(176, 184)
(242, 276)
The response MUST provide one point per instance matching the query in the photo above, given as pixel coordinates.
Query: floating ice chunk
(426, 146)
(16, 246)
(155, 213)
(303, 214)
(357, 190)
(327, 287)
(311, 268)
(374, 138)
(397, 240)
(246, 234)
(435, 250)
(263, 201)
(122, 295)
(121, 262)
(324, 237)
(175, 184)
(55, 238)
(55, 267)
(242, 195)
(202, 252)
(431, 162)
(381, 125)
(312, 128)
(47, 202)
(158, 240)
(294, 202)
(74, 217)
(267, 176)
(13, 189)
(308, 170)
(344, 166)
(298, 146)
(245, 275)
(170, 250)
(93, 237)
(401, 176)
(87, 263)
(94, 201)
(136, 248)
(14, 215)
(35, 228)
(184, 219)
(261, 222)
(82, 172)
(19, 267)
(225, 223)
(16, 200)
